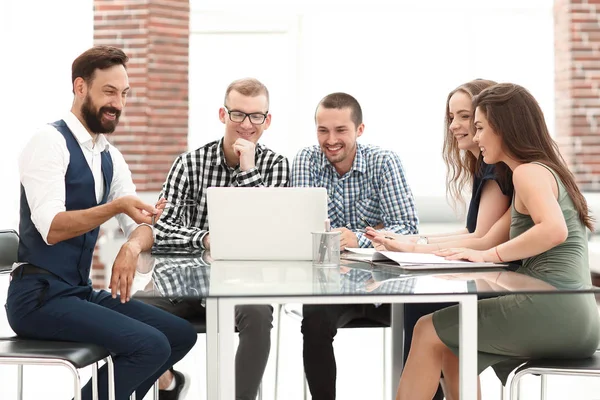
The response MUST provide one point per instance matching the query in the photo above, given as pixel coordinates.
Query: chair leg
(20, 382)
(384, 370)
(95, 381)
(277, 343)
(111, 378)
(543, 389)
(259, 397)
(304, 385)
(76, 381)
(515, 385)
(155, 387)
(132, 397)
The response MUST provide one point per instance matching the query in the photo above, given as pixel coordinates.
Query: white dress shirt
(43, 166)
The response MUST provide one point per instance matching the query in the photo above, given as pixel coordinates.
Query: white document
(417, 260)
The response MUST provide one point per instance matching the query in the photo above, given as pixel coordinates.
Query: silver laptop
(264, 223)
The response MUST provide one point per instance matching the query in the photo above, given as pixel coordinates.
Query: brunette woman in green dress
(549, 217)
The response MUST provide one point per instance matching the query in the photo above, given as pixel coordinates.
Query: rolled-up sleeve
(122, 185)
(397, 203)
(43, 165)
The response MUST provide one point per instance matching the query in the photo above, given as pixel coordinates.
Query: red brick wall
(577, 83)
(155, 36)
(154, 126)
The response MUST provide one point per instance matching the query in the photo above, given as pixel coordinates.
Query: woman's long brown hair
(461, 167)
(516, 116)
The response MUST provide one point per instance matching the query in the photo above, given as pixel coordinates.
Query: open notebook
(414, 261)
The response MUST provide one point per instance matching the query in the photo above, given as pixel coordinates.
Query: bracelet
(499, 258)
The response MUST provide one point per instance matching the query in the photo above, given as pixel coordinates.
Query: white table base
(221, 330)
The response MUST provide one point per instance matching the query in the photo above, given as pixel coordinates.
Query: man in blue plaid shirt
(366, 187)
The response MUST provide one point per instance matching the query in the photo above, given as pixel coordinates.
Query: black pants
(319, 326)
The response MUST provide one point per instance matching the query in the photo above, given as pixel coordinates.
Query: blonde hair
(248, 87)
(461, 167)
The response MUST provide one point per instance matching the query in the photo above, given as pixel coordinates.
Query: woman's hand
(461, 254)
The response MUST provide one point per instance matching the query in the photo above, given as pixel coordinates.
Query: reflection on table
(198, 276)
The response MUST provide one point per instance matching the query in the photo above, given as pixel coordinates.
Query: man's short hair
(247, 87)
(98, 57)
(340, 101)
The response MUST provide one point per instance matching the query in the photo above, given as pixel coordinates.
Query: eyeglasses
(239, 117)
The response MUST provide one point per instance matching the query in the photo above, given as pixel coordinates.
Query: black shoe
(182, 384)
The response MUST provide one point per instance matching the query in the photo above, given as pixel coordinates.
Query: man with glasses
(235, 160)
(366, 187)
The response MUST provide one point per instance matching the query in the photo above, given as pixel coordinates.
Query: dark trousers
(144, 340)
(254, 323)
(319, 326)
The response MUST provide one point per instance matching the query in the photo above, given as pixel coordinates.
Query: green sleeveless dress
(523, 326)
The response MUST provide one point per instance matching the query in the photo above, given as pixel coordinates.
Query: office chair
(74, 356)
(544, 367)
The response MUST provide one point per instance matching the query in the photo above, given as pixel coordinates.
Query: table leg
(468, 347)
(212, 349)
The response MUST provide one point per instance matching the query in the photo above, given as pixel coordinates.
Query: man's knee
(153, 346)
(317, 321)
(258, 317)
(186, 334)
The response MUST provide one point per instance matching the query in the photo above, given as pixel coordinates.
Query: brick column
(154, 127)
(577, 85)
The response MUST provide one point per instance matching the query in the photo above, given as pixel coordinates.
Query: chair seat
(79, 354)
(586, 364)
(199, 324)
(365, 323)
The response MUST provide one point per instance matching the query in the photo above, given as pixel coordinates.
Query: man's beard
(93, 119)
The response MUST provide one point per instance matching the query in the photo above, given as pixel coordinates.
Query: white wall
(398, 58)
(39, 41)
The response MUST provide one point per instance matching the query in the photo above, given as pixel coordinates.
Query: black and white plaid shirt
(185, 222)
(182, 277)
(359, 281)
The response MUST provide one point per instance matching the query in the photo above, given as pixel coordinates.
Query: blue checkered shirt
(374, 189)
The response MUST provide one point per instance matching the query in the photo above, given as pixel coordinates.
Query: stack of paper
(415, 260)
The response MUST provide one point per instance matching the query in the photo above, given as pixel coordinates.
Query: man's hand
(371, 233)
(136, 209)
(381, 242)
(123, 271)
(160, 206)
(245, 150)
(347, 238)
(206, 241)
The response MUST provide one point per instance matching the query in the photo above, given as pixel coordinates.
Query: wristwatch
(423, 240)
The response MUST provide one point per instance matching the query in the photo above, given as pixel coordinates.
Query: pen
(365, 221)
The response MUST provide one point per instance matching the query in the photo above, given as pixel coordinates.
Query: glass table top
(198, 276)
